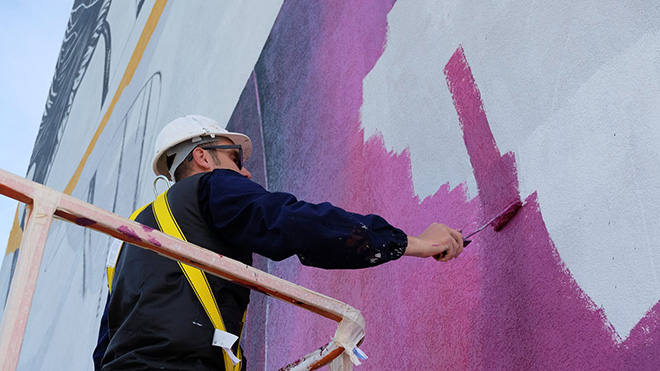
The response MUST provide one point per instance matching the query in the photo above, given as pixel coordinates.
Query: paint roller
(497, 222)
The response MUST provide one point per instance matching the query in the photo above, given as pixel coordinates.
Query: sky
(31, 35)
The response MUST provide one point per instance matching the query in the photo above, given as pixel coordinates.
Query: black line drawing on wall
(87, 23)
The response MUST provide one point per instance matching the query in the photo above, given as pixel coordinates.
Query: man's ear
(202, 159)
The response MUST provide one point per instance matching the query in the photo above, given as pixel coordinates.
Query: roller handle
(444, 253)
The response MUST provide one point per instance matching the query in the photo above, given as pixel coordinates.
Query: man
(155, 319)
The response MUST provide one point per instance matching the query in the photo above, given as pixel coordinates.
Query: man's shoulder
(229, 181)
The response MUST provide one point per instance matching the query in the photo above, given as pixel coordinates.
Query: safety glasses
(239, 158)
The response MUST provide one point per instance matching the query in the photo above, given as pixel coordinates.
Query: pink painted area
(403, 301)
(532, 313)
(496, 176)
(507, 303)
(641, 349)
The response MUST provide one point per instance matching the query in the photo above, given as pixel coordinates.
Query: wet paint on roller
(506, 216)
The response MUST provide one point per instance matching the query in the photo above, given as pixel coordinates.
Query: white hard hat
(178, 138)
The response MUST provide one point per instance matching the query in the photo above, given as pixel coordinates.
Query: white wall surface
(70, 294)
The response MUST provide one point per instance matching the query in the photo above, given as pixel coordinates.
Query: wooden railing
(45, 203)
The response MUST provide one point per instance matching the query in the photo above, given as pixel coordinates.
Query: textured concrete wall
(420, 111)
(125, 70)
(391, 107)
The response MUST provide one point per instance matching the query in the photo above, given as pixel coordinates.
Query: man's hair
(185, 169)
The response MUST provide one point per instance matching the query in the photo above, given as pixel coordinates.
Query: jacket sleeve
(277, 225)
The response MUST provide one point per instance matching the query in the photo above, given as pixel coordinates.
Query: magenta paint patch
(641, 350)
(154, 241)
(508, 302)
(128, 232)
(496, 175)
(84, 222)
(532, 313)
(147, 228)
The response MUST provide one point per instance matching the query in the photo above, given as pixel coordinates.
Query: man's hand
(434, 241)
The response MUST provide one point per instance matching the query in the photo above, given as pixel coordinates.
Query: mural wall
(420, 111)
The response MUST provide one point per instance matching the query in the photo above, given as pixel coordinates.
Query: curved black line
(86, 24)
(104, 30)
(139, 7)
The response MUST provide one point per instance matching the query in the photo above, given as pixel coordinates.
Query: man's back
(155, 318)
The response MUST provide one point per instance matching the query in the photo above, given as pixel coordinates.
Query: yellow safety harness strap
(197, 279)
(115, 250)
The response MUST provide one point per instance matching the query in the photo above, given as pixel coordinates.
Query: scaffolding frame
(46, 203)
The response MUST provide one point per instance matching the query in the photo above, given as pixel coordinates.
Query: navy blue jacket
(277, 225)
(240, 218)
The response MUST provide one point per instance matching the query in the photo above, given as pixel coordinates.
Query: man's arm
(277, 225)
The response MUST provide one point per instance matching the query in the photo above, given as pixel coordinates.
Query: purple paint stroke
(528, 298)
(641, 350)
(532, 313)
(128, 232)
(147, 228)
(496, 175)
(309, 80)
